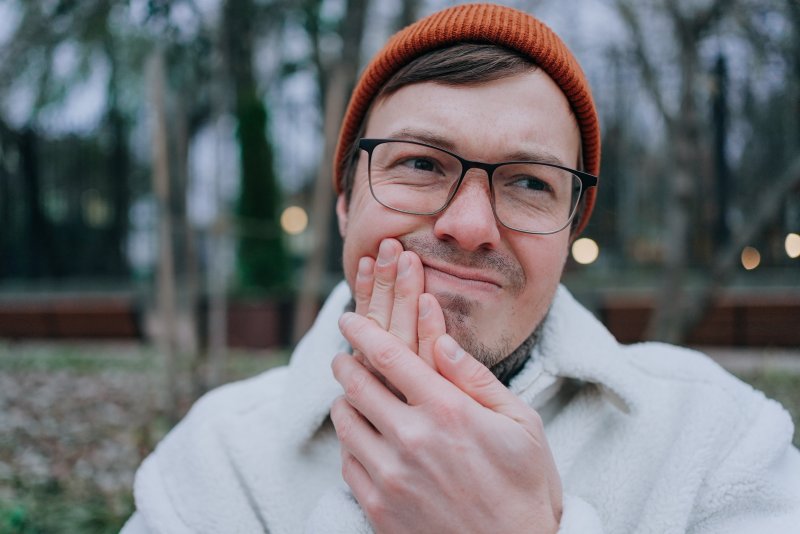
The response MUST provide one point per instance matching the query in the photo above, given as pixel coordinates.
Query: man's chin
(462, 325)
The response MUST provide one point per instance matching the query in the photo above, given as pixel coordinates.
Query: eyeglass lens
(419, 179)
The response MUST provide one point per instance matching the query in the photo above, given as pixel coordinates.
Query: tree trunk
(165, 284)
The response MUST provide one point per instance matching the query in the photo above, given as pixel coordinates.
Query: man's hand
(389, 291)
(446, 451)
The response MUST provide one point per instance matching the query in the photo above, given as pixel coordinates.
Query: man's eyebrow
(424, 136)
(437, 140)
(537, 156)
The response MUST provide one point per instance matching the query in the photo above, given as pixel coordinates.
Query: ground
(75, 422)
(77, 419)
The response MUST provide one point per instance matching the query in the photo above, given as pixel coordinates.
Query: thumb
(474, 378)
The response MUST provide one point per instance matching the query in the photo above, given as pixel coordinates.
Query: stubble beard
(460, 313)
(503, 359)
(458, 318)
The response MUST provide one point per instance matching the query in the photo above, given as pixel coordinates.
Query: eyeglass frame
(369, 144)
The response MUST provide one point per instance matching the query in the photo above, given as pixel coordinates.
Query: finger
(366, 393)
(358, 437)
(363, 285)
(380, 305)
(476, 380)
(430, 325)
(363, 291)
(409, 285)
(390, 357)
(357, 477)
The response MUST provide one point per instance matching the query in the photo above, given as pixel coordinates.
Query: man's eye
(420, 164)
(532, 184)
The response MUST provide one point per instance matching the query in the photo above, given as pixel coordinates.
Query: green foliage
(48, 507)
(262, 258)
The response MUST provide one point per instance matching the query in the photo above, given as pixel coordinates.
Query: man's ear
(341, 214)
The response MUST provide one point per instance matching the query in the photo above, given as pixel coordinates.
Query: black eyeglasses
(526, 196)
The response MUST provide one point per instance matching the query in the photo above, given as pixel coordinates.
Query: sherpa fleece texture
(658, 440)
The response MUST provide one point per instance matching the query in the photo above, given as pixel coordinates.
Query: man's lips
(466, 277)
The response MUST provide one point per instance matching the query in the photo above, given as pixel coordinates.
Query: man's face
(494, 284)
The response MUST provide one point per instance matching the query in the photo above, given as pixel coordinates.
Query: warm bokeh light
(792, 245)
(294, 220)
(585, 251)
(751, 258)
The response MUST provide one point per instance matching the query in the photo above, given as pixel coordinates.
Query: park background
(166, 210)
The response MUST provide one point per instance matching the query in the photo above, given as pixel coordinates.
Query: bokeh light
(751, 258)
(792, 245)
(294, 220)
(585, 251)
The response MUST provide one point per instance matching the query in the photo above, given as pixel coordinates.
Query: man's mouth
(449, 269)
(457, 278)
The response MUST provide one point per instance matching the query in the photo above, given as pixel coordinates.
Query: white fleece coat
(655, 439)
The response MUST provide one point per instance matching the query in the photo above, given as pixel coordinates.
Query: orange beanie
(478, 23)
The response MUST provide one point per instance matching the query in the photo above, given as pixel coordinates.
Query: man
(467, 391)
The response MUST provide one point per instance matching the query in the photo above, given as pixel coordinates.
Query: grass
(54, 499)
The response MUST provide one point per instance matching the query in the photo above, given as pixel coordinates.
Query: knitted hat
(478, 23)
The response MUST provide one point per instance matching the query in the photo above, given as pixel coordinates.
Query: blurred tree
(685, 140)
(33, 59)
(677, 88)
(263, 262)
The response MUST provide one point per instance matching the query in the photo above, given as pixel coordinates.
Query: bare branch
(649, 76)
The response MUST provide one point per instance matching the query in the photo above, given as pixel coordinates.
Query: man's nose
(469, 219)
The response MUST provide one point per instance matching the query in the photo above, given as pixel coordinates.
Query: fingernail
(403, 264)
(363, 267)
(424, 306)
(385, 253)
(451, 349)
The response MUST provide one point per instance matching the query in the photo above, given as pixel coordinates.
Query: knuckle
(348, 467)
(448, 413)
(392, 482)
(337, 366)
(337, 409)
(383, 282)
(377, 318)
(354, 385)
(480, 376)
(343, 420)
(357, 327)
(373, 506)
(363, 289)
(402, 294)
(411, 439)
(362, 293)
(387, 356)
